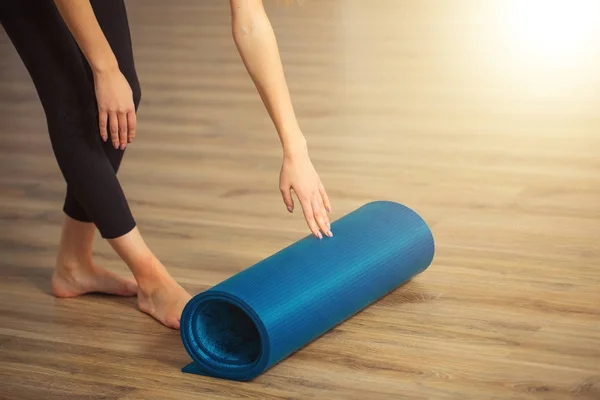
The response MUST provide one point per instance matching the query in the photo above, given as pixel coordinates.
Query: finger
(325, 198)
(113, 123)
(131, 125)
(320, 215)
(102, 117)
(325, 216)
(122, 129)
(322, 212)
(310, 219)
(286, 193)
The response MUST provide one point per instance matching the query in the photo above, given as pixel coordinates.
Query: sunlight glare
(553, 29)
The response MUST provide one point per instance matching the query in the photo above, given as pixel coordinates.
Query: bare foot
(75, 280)
(164, 301)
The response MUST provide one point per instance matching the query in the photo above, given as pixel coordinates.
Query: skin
(159, 295)
(256, 43)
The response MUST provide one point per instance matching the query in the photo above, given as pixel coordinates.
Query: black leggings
(64, 82)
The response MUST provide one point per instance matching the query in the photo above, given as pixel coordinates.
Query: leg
(55, 65)
(158, 293)
(112, 18)
(78, 231)
(76, 273)
(58, 71)
(61, 78)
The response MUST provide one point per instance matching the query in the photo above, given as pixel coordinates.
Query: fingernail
(116, 145)
(123, 147)
(289, 209)
(319, 235)
(104, 138)
(330, 234)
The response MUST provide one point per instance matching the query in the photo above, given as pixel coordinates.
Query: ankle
(152, 275)
(76, 240)
(149, 272)
(69, 273)
(70, 263)
(73, 257)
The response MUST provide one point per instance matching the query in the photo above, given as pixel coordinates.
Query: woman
(79, 56)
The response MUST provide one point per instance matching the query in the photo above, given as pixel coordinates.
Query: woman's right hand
(115, 107)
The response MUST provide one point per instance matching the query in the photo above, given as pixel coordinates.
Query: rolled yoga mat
(248, 323)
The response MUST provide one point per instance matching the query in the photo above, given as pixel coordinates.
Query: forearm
(256, 43)
(81, 21)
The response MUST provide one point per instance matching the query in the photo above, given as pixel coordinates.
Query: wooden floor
(483, 116)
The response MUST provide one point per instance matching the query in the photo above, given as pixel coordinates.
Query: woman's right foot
(158, 293)
(164, 300)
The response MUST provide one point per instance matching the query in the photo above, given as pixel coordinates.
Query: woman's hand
(299, 175)
(115, 107)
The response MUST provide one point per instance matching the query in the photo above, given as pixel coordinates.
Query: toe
(169, 322)
(172, 323)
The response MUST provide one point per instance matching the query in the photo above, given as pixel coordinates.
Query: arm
(81, 21)
(257, 45)
(114, 95)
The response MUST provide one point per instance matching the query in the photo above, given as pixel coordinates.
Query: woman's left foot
(75, 280)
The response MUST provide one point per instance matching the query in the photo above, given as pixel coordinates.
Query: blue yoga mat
(241, 327)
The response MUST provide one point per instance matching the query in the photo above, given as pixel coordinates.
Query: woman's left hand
(299, 175)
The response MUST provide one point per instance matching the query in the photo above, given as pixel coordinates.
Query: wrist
(294, 145)
(104, 65)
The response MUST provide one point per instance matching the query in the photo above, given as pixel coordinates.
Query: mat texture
(243, 326)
